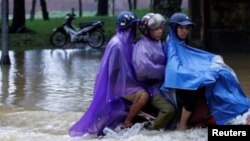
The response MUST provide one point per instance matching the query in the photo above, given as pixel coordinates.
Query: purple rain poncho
(149, 62)
(191, 68)
(115, 78)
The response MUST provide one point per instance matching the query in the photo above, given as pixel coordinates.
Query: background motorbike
(91, 33)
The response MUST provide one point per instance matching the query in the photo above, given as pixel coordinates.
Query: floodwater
(43, 92)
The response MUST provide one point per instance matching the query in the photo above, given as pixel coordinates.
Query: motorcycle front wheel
(96, 39)
(58, 38)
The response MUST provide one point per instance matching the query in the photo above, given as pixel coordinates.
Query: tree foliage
(166, 7)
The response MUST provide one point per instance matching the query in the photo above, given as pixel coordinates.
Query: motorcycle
(91, 33)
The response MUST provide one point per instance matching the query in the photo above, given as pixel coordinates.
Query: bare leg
(135, 109)
(182, 125)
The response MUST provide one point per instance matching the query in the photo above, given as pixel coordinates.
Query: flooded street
(53, 80)
(43, 92)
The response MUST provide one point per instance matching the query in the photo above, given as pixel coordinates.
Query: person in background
(189, 70)
(149, 63)
(115, 84)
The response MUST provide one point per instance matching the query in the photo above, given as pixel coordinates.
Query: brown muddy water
(43, 92)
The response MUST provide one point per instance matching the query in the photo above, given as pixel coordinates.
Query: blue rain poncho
(190, 68)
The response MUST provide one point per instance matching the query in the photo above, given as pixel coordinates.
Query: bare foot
(181, 127)
(126, 125)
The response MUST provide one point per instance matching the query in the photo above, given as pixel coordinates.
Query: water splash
(243, 119)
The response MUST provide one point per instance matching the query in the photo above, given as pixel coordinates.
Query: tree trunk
(5, 60)
(130, 6)
(113, 7)
(102, 8)
(135, 4)
(44, 10)
(18, 22)
(33, 10)
(80, 8)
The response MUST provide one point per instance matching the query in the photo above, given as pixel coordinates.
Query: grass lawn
(43, 29)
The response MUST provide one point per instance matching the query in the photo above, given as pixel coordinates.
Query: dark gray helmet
(180, 19)
(126, 19)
